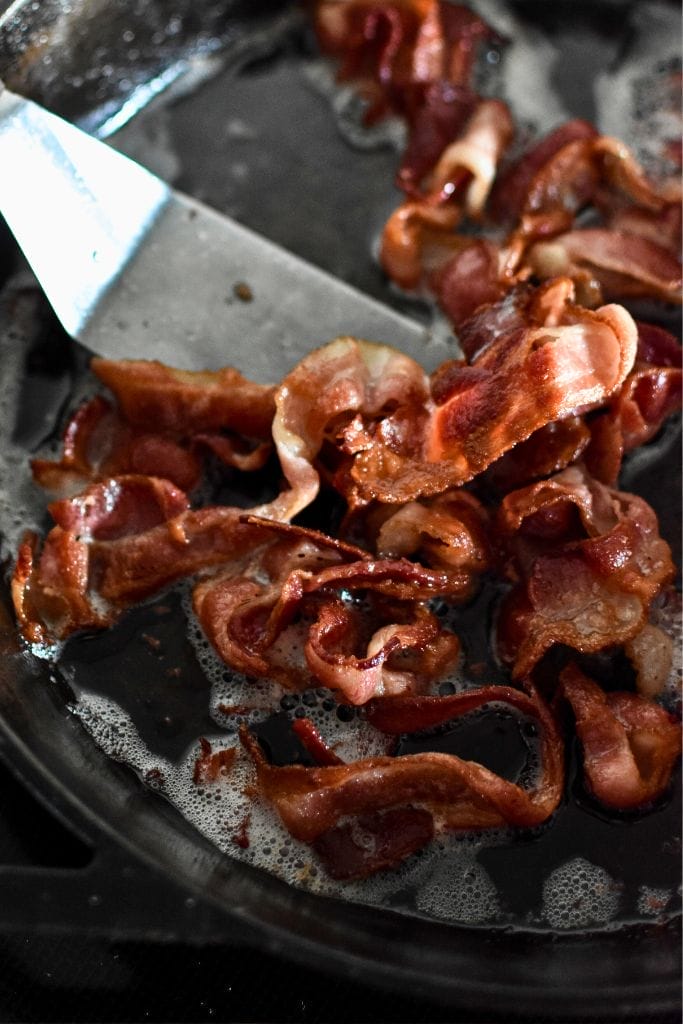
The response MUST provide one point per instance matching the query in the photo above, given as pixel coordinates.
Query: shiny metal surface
(133, 268)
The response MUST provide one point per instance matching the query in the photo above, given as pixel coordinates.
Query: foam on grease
(579, 894)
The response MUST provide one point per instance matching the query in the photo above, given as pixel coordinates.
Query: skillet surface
(625, 971)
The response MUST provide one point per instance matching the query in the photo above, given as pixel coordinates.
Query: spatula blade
(134, 269)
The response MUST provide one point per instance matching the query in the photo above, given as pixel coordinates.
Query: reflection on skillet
(579, 892)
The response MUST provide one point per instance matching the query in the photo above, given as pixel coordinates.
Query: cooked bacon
(433, 649)
(327, 388)
(413, 714)
(119, 507)
(664, 227)
(449, 532)
(97, 445)
(91, 432)
(295, 624)
(546, 451)
(372, 404)
(373, 842)
(418, 240)
(52, 590)
(649, 395)
(589, 560)
(311, 739)
(657, 346)
(388, 46)
(436, 113)
(97, 565)
(521, 185)
(246, 609)
(478, 151)
(525, 380)
(630, 744)
(466, 281)
(49, 592)
(154, 397)
(164, 418)
(327, 803)
(625, 265)
(627, 179)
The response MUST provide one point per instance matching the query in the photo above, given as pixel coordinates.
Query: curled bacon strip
(324, 393)
(388, 48)
(157, 397)
(626, 265)
(51, 592)
(630, 744)
(296, 625)
(418, 240)
(650, 393)
(449, 531)
(122, 540)
(163, 420)
(590, 561)
(396, 444)
(316, 802)
(524, 381)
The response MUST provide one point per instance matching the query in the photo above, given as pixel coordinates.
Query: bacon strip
(326, 389)
(295, 624)
(449, 532)
(626, 265)
(650, 394)
(314, 803)
(588, 585)
(155, 397)
(163, 420)
(630, 744)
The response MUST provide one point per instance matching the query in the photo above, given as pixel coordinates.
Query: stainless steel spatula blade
(134, 269)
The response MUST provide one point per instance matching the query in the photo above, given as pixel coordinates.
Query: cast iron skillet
(151, 874)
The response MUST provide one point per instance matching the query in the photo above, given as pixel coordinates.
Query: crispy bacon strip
(327, 388)
(518, 384)
(523, 381)
(590, 561)
(478, 151)
(626, 265)
(520, 185)
(316, 802)
(630, 744)
(155, 397)
(164, 419)
(418, 239)
(433, 650)
(649, 395)
(449, 532)
(295, 624)
(371, 405)
(119, 542)
(51, 592)
(388, 47)
(547, 451)
(436, 113)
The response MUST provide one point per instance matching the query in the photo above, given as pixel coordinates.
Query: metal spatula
(134, 269)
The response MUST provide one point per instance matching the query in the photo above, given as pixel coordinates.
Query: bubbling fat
(580, 895)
